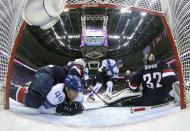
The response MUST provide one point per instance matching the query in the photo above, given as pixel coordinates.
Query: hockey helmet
(149, 59)
(119, 62)
(73, 82)
(80, 62)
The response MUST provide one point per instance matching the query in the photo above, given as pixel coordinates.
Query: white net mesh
(10, 21)
(177, 13)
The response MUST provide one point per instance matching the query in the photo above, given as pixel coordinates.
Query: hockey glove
(69, 109)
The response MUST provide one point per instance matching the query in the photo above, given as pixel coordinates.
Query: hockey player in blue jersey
(155, 79)
(85, 70)
(106, 73)
(52, 90)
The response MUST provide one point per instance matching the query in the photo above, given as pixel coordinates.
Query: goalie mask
(149, 59)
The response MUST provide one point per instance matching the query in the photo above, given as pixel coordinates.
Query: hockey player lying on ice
(53, 90)
(156, 80)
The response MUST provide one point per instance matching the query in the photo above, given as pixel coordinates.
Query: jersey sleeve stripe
(167, 70)
(78, 70)
(168, 74)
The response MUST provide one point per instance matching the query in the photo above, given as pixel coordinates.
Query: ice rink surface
(168, 118)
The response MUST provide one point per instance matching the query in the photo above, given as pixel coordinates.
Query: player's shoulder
(111, 61)
(162, 64)
(60, 68)
(139, 71)
(116, 69)
(70, 63)
(54, 66)
(105, 60)
(142, 68)
(59, 86)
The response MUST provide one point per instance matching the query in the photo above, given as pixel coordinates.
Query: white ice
(167, 118)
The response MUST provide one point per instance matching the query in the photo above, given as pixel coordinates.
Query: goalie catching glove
(69, 109)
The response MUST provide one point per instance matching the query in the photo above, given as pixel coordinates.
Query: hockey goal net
(175, 13)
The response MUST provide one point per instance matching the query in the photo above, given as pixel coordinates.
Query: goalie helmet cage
(175, 15)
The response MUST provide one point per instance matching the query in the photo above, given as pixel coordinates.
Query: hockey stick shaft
(98, 96)
(138, 109)
(95, 108)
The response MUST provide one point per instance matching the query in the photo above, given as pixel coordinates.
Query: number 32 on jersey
(151, 78)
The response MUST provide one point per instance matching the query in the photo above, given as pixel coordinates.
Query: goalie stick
(138, 109)
(117, 100)
(96, 108)
(110, 104)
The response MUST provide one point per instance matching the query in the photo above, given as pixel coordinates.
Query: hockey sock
(17, 93)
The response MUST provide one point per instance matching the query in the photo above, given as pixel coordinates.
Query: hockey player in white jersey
(106, 73)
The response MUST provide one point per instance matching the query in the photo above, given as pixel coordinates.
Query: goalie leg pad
(121, 101)
(124, 95)
(175, 92)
